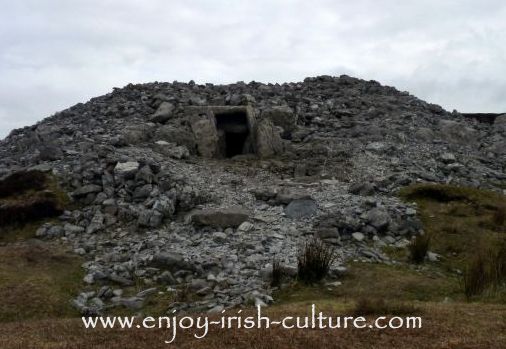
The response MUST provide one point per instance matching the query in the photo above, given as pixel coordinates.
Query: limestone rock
(163, 113)
(268, 141)
(301, 208)
(224, 218)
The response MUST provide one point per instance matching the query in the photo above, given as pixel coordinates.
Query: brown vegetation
(419, 247)
(314, 260)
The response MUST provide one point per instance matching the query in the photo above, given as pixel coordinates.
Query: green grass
(458, 219)
(37, 281)
(396, 282)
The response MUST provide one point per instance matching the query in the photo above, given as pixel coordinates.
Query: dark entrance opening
(233, 132)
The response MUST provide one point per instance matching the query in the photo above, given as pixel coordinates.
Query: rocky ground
(148, 209)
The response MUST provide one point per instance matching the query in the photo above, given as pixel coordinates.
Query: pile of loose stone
(149, 211)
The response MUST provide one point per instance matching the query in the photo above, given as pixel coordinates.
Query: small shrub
(476, 276)
(419, 247)
(314, 260)
(435, 192)
(21, 182)
(30, 210)
(277, 273)
(376, 306)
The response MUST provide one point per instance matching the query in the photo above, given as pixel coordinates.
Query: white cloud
(56, 53)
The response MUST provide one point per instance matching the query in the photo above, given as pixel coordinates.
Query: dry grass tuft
(499, 264)
(499, 216)
(419, 247)
(476, 276)
(314, 260)
(277, 273)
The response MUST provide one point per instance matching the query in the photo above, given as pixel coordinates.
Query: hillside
(180, 196)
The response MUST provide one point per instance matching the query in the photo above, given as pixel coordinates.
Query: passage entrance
(233, 132)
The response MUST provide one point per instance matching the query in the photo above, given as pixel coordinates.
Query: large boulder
(223, 218)
(378, 218)
(178, 135)
(301, 208)
(206, 136)
(170, 260)
(456, 132)
(163, 113)
(268, 142)
(135, 134)
(282, 116)
(126, 170)
(172, 150)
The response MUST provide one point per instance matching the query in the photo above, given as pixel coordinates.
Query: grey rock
(286, 196)
(73, 229)
(172, 150)
(245, 227)
(378, 218)
(170, 260)
(125, 170)
(358, 236)
(377, 147)
(87, 189)
(167, 278)
(447, 158)
(216, 309)
(163, 113)
(133, 303)
(147, 292)
(267, 139)
(150, 218)
(364, 189)
(219, 237)
(224, 218)
(96, 224)
(282, 116)
(301, 208)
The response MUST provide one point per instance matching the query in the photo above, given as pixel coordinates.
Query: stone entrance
(234, 137)
(228, 131)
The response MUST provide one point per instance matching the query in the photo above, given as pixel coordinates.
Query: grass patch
(379, 306)
(499, 217)
(37, 281)
(457, 219)
(380, 281)
(448, 193)
(466, 226)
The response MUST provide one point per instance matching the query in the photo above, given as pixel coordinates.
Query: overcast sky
(55, 53)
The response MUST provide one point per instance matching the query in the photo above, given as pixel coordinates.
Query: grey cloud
(57, 53)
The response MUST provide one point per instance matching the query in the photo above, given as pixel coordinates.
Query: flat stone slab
(301, 208)
(222, 218)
